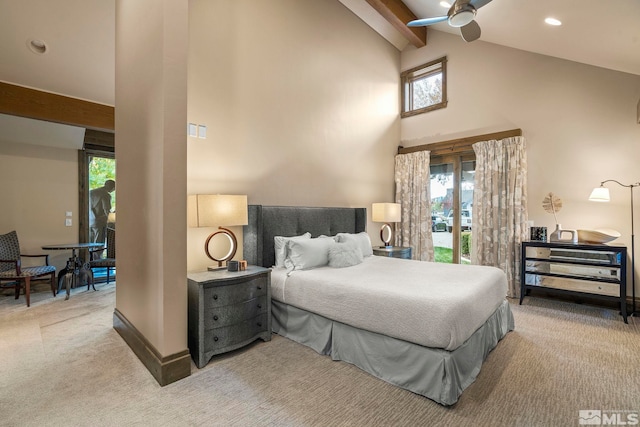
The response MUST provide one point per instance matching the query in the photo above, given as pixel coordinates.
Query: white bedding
(432, 304)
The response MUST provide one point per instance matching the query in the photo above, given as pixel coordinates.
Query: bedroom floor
(64, 364)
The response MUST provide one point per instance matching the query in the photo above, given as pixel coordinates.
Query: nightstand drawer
(218, 317)
(231, 335)
(220, 296)
(394, 251)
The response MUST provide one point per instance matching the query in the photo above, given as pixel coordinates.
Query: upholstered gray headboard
(265, 222)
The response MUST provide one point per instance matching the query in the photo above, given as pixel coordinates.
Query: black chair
(13, 274)
(110, 261)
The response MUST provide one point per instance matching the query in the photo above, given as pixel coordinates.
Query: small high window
(424, 88)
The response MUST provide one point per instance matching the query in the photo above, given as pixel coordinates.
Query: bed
(425, 327)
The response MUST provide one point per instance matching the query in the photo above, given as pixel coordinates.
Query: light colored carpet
(62, 364)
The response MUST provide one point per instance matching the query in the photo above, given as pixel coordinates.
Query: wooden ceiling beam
(398, 14)
(459, 145)
(34, 104)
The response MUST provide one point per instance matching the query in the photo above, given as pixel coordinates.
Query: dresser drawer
(220, 296)
(611, 289)
(231, 335)
(218, 317)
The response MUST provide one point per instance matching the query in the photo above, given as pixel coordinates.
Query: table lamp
(386, 212)
(207, 210)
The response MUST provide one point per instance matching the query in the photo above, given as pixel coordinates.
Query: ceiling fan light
(462, 18)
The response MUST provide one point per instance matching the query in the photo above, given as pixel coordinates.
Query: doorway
(451, 188)
(101, 169)
(95, 167)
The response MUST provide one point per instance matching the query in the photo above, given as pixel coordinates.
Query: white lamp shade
(385, 212)
(207, 210)
(599, 194)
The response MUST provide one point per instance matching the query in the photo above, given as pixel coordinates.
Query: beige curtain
(500, 206)
(412, 192)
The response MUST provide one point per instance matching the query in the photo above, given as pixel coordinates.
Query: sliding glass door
(95, 167)
(451, 187)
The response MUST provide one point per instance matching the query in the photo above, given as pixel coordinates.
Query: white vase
(557, 235)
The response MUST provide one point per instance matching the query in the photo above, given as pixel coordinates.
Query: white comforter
(431, 304)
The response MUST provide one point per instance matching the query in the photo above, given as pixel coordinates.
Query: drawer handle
(215, 317)
(215, 296)
(260, 324)
(259, 288)
(259, 305)
(215, 338)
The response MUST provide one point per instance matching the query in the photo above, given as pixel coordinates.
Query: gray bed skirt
(438, 374)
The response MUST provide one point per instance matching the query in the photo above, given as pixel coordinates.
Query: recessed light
(37, 46)
(445, 4)
(553, 21)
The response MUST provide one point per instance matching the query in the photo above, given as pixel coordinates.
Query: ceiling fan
(460, 15)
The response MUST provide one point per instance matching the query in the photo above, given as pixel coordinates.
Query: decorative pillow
(345, 255)
(362, 240)
(280, 246)
(303, 254)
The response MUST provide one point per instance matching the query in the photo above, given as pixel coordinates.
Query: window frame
(409, 76)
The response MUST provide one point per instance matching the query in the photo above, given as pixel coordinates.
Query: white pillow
(362, 240)
(345, 255)
(303, 254)
(280, 246)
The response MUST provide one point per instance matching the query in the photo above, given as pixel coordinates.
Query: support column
(150, 121)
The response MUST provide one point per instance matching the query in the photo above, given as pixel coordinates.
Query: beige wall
(39, 185)
(297, 114)
(579, 122)
(150, 117)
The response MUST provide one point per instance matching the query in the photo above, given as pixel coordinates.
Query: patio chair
(13, 274)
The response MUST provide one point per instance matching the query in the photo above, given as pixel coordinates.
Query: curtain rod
(459, 144)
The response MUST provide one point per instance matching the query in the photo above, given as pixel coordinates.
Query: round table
(74, 265)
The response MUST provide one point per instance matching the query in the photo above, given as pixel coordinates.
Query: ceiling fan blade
(470, 32)
(479, 3)
(427, 21)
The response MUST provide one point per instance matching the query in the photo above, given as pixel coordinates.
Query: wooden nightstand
(394, 251)
(227, 310)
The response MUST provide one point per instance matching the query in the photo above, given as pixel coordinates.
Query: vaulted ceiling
(601, 33)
